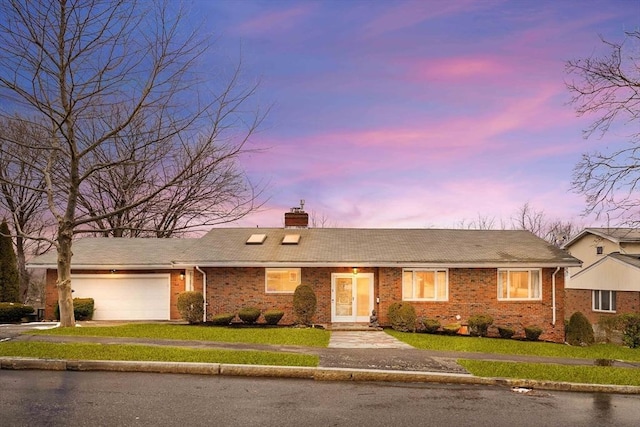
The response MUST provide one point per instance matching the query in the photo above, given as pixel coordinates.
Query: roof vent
(256, 239)
(291, 239)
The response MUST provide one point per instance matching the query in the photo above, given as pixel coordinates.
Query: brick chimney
(297, 217)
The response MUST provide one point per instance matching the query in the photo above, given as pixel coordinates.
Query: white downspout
(553, 295)
(204, 292)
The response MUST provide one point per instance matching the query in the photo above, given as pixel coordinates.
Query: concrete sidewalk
(351, 356)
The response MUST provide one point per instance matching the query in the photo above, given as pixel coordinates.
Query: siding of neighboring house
(471, 291)
(603, 272)
(177, 286)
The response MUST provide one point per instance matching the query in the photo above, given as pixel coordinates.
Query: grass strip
(135, 352)
(553, 372)
(510, 346)
(309, 337)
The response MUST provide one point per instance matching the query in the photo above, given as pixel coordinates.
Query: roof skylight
(291, 239)
(256, 239)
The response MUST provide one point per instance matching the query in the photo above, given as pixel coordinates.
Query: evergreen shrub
(506, 332)
(222, 319)
(427, 325)
(479, 325)
(631, 329)
(249, 315)
(579, 330)
(402, 317)
(304, 304)
(83, 309)
(532, 333)
(191, 306)
(272, 317)
(13, 312)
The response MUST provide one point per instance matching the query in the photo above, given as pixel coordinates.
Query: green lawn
(91, 351)
(552, 372)
(509, 346)
(278, 336)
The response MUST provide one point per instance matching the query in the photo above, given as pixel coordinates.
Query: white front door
(351, 297)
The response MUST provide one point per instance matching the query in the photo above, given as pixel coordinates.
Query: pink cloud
(277, 21)
(457, 69)
(408, 14)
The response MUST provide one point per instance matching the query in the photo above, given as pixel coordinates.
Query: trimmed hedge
(13, 311)
(249, 315)
(191, 306)
(427, 325)
(506, 332)
(532, 333)
(402, 317)
(83, 309)
(479, 325)
(223, 319)
(451, 328)
(272, 317)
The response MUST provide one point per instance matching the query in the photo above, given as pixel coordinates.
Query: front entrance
(351, 297)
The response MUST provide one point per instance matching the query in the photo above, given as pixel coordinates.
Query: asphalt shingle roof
(375, 246)
(324, 246)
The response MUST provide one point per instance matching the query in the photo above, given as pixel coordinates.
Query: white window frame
(296, 279)
(529, 286)
(612, 301)
(437, 285)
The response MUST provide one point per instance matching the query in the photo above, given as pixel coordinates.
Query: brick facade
(581, 300)
(471, 291)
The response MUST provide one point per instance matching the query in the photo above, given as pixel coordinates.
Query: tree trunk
(65, 297)
(23, 274)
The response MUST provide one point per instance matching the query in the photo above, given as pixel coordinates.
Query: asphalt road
(63, 398)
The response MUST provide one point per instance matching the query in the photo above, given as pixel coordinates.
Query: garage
(125, 296)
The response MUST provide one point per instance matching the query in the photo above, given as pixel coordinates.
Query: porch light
(355, 271)
(182, 276)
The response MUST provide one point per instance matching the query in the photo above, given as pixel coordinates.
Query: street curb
(318, 374)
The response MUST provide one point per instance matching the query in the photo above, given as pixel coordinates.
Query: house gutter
(553, 295)
(204, 292)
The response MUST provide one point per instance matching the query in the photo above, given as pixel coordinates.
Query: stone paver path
(364, 339)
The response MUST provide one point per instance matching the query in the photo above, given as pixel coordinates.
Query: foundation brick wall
(580, 300)
(475, 291)
(471, 291)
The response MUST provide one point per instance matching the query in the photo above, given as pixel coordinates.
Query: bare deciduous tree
(554, 231)
(24, 204)
(608, 88)
(114, 87)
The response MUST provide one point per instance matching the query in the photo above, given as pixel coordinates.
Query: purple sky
(416, 113)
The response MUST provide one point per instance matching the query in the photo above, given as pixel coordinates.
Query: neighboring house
(450, 275)
(609, 281)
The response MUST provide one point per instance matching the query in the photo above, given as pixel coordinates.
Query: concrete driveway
(11, 330)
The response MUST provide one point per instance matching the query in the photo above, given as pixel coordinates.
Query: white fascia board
(107, 267)
(273, 264)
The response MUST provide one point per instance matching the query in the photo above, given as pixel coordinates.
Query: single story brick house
(608, 283)
(450, 275)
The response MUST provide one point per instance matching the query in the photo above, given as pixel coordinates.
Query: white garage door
(125, 296)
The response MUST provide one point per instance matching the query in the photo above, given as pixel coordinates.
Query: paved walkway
(364, 339)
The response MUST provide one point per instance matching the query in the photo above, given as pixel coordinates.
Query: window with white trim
(281, 280)
(425, 285)
(519, 284)
(604, 301)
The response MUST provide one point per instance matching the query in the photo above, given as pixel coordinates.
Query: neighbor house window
(425, 285)
(519, 284)
(282, 280)
(604, 301)
(599, 250)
